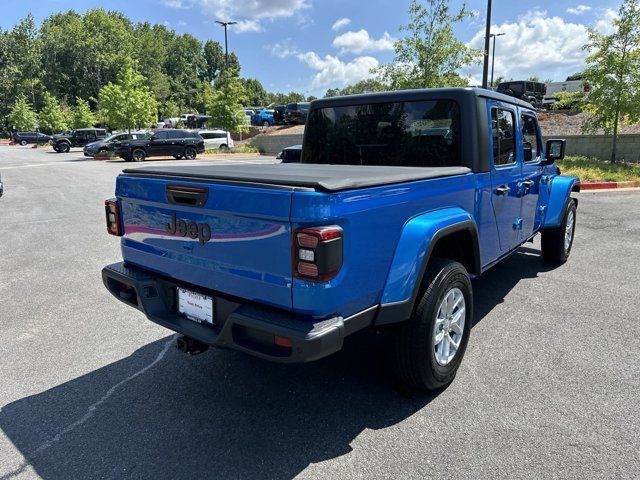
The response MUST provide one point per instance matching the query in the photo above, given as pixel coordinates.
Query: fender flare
(561, 188)
(413, 252)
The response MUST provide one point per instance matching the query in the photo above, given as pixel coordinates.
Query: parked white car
(216, 138)
(553, 88)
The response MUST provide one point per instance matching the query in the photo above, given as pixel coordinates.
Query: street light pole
(485, 66)
(226, 43)
(493, 55)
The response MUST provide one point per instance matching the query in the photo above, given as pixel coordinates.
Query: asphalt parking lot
(549, 387)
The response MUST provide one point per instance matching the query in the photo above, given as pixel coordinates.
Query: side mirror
(554, 151)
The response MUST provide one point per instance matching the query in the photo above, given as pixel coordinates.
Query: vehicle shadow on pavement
(221, 414)
(218, 415)
(491, 288)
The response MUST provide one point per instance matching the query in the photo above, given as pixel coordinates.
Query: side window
(503, 131)
(161, 135)
(530, 139)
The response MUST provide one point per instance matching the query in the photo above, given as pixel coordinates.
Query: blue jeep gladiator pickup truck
(400, 198)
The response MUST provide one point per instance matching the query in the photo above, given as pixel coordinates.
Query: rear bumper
(245, 327)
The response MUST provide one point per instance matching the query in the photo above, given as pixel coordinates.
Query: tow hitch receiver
(191, 346)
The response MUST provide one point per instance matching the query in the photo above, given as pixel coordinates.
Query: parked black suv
(63, 142)
(296, 113)
(30, 137)
(178, 143)
(532, 92)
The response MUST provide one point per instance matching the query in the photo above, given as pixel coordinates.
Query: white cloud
(605, 24)
(331, 71)
(536, 44)
(340, 23)
(250, 14)
(361, 41)
(247, 26)
(579, 9)
(283, 49)
(175, 3)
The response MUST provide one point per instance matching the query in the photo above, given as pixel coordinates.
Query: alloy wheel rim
(449, 326)
(137, 155)
(568, 232)
(189, 154)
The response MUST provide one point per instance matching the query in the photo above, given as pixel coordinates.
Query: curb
(607, 185)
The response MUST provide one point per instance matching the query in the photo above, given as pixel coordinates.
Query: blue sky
(297, 44)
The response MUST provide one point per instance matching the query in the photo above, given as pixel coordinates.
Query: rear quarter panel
(373, 220)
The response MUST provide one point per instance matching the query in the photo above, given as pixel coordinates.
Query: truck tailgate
(234, 239)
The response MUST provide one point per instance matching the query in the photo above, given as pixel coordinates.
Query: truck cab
(399, 200)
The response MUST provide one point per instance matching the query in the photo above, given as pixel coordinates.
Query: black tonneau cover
(331, 178)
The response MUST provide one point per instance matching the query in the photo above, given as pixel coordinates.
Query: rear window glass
(410, 134)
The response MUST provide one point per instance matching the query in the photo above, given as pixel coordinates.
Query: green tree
(224, 104)
(363, 86)
(51, 117)
(613, 74)
(255, 93)
(430, 55)
(128, 103)
(568, 100)
(21, 116)
(215, 61)
(81, 115)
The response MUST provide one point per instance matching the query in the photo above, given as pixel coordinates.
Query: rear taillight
(317, 253)
(112, 214)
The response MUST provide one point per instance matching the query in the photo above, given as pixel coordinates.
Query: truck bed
(331, 178)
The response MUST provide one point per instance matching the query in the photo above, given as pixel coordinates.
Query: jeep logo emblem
(193, 230)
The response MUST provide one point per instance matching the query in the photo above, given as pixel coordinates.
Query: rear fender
(561, 187)
(417, 240)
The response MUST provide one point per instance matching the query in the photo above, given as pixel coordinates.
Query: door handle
(503, 190)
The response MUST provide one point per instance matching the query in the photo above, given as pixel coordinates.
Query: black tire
(138, 155)
(177, 157)
(223, 146)
(266, 124)
(23, 142)
(190, 153)
(554, 247)
(414, 353)
(63, 147)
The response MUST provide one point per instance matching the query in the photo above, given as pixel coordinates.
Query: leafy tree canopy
(52, 118)
(430, 55)
(22, 117)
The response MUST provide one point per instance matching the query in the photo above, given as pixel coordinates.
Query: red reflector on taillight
(308, 269)
(282, 341)
(307, 241)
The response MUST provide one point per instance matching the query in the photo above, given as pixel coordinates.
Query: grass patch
(594, 170)
(243, 149)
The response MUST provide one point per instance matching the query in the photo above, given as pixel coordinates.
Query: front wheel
(23, 142)
(63, 147)
(266, 124)
(138, 155)
(557, 242)
(190, 153)
(429, 347)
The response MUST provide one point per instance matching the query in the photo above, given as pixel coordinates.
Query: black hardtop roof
(453, 93)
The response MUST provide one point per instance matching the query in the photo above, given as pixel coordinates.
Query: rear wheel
(23, 142)
(138, 155)
(190, 153)
(63, 147)
(429, 347)
(557, 242)
(223, 146)
(266, 124)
